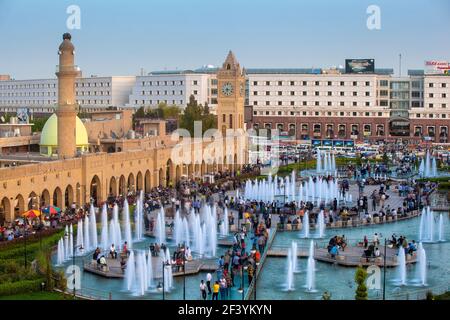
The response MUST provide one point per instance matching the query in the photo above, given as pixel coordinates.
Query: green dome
(49, 136)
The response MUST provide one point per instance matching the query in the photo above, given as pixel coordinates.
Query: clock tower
(231, 95)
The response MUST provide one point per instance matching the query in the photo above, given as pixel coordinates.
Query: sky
(119, 37)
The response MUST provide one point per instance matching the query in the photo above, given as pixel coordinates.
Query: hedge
(23, 286)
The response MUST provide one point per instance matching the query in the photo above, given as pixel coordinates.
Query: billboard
(316, 143)
(437, 67)
(359, 65)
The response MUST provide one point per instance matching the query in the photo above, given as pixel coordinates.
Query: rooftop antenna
(142, 71)
(400, 64)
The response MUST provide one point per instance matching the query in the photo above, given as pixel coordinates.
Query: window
(304, 103)
(341, 103)
(430, 85)
(279, 113)
(329, 83)
(367, 94)
(341, 113)
(255, 103)
(304, 113)
(280, 103)
(354, 103)
(267, 83)
(267, 103)
(367, 104)
(341, 83)
(255, 83)
(292, 103)
(367, 83)
(384, 83)
(430, 95)
(255, 93)
(430, 105)
(316, 103)
(380, 114)
(292, 93)
(417, 115)
(316, 83)
(292, 83)
(280, 93)
(355, 93)
(444, 95)
(316, 93)
(280, 83)
(267, 93)
(354, 114)
(329, 103)
(304, 83)
(342, 93)
(444, 105)
(304, 93)
(355, 83)
(367, 114)
(316, 113)
(329, 93)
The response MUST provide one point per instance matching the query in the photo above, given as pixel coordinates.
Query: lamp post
(384, 270)
(184, 272)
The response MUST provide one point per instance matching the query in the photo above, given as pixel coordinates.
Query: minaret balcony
(60, 68)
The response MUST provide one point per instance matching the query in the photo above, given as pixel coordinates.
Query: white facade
(41, 95)
(436, 101)
(174, 88)
(274, 94)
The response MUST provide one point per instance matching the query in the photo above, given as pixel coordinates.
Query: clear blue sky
(119, 37)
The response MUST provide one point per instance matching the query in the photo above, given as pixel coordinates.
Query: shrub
(360, 279)
(23, 286)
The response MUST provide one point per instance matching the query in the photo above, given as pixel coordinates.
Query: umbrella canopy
(52, 210)
(30, 214)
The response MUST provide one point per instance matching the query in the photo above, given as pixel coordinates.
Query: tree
(140, 113)
(360, 279)
(195, 112)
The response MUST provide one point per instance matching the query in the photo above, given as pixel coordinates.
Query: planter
(376, 220)
(288, 227)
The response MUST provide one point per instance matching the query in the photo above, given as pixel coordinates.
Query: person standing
(216, 288)
(208, 282)
(203, 289)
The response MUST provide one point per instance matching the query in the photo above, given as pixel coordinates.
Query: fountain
(294, 256)
(141, 274)
(402, 266)
(224, 226)
(428, 167)
(80, 239)
(87, 238)
(60, 252)
(161, 227)
(66, 244)
(311, 269)
(305, 225)
(441, 227)
(320, 225)
(104, 235)
(421, 265)
(130, 273)
(427, 226)
(290, 271)
(71, 253)
(150, 270)
(139, 217)
(126, 224)
(93, 227)
(114, 228)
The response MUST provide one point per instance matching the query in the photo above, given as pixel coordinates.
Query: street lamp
(241, 289)
(184, 272)
(384, 271)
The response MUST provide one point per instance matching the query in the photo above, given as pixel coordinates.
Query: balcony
(68, 68)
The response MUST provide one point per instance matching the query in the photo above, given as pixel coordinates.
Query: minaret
(67, 106)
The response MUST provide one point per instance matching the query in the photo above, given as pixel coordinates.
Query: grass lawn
(36, 296)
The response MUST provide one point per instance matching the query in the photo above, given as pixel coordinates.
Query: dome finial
(67, 36)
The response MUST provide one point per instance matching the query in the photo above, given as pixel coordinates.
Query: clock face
(227, 89)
